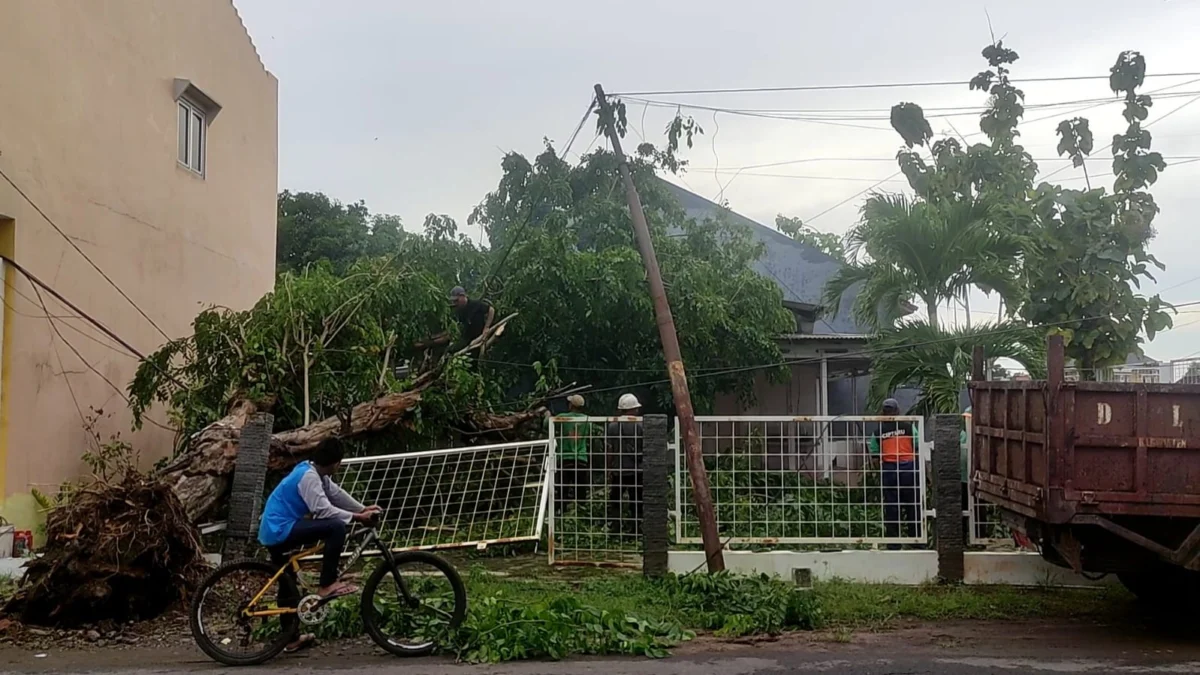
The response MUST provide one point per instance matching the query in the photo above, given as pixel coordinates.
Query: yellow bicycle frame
(294, 564)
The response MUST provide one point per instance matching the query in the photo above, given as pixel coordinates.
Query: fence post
(951, 546)
(656, 495)
(246, 493)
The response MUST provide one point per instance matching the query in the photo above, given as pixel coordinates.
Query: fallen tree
(201, 475)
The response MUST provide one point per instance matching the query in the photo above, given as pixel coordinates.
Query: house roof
(799, 270)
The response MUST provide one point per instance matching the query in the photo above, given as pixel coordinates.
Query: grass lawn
(859, 606)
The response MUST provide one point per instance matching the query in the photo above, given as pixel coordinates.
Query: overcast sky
(409, 106)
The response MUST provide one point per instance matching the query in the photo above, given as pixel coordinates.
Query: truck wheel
(1149, 587)
(1163, 586)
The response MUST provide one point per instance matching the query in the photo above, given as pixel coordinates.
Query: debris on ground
(115, 551)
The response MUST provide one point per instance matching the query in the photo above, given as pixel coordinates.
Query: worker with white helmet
(623, 449)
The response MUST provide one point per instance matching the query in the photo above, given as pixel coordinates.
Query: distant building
(147, 131)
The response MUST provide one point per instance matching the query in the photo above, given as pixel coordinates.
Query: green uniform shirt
(573, 438)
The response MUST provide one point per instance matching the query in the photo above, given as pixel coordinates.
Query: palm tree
(939, 361)
(903, 249)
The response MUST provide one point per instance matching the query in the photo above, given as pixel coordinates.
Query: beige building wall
(89, 131)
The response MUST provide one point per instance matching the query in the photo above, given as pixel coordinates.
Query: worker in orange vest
(895, 444)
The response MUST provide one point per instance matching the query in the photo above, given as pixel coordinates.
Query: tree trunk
(932, 308)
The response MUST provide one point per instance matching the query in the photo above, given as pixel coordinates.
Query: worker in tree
(308, 507)
(623, 458)
(572, 442)
(895, 443)
(474, 317)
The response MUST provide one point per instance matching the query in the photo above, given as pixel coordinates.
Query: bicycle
(264, 619)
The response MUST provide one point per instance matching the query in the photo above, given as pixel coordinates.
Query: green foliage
(940, 360)
(934, 251)
(1090, 247)
(318, 343)
(826, 242)
(312, 227)
(574, 274)
(908, 119)
(735, 605)
(1067, 260)
(500, 630)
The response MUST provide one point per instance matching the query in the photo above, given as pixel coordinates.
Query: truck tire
(1162, 586)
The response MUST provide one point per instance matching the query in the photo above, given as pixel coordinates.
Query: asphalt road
(1019, 648)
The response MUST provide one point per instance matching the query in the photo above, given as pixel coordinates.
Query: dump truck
(1099, 477)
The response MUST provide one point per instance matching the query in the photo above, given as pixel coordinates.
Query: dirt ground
(1133, 645)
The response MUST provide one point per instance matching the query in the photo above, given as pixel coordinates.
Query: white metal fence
(596, 495)
(814, 480)
(458, 497)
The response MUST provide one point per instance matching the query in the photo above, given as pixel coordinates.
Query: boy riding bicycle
(307, 507)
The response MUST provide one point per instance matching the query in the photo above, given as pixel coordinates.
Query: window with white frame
(193, 136)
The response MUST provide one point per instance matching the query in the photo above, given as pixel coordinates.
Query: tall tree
(906, 248)
(940, 360)
(1090, 248)
(313, 227)
(565, 258)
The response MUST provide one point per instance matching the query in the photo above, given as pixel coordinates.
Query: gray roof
(798, 269)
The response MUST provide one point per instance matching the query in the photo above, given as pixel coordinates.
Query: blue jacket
(284, 508)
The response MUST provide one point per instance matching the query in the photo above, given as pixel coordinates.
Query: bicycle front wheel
(408, 606)
(218, 617)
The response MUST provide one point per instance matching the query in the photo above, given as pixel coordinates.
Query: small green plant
(107, 458)
(733, 605)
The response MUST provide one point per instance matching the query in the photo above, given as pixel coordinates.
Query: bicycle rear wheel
(407, 607)
(220, 629)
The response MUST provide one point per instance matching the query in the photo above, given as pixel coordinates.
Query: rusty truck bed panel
(1053, 449)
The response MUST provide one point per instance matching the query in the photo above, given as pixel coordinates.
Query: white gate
(806, 480)
(458, 497)
(595, 500)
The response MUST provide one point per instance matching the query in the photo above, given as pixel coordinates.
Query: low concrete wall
(892, 567)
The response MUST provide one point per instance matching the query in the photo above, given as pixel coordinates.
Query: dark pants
(901, 503)
(572, 482)
(308, 532)
(622, 482)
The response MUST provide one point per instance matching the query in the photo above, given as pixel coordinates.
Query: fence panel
(596, 491)
(813, 480)
(458, 497)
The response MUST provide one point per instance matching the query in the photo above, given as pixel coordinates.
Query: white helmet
(628, 402)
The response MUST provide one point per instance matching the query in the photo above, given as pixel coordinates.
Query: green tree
(939, 360)
(312, 227)
(826, 242)
(1090, 251)
(565, 258)
(904, 248)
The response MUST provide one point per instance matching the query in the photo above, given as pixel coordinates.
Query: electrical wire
(494, 269)
(80, 251)
(869, 352)
(875, 85)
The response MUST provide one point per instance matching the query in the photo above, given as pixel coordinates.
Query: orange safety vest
(896, 446)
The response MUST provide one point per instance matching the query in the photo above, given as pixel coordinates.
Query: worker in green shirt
(572, 440)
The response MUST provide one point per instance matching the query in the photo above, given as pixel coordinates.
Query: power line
(80, 251)
(869, 352)
(876, 85)
(980, 133)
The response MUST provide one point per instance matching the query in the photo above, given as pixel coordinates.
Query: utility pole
(670, 344)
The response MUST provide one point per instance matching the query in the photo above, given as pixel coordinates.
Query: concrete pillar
(951, 544)
(656, 495)
(246, 493)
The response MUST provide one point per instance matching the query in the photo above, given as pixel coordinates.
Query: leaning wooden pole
(670, 344)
